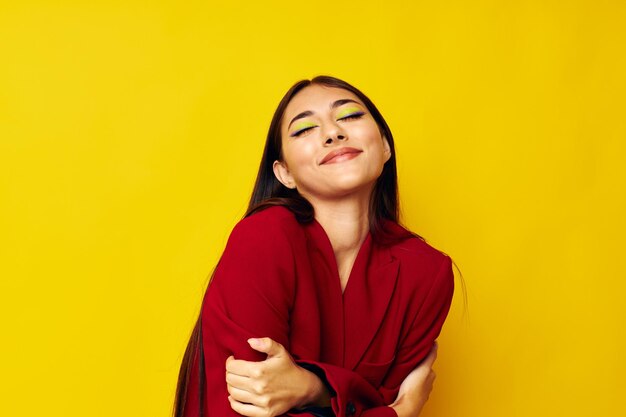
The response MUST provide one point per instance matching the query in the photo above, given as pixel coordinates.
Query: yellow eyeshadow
(348, 110)
(304, 125)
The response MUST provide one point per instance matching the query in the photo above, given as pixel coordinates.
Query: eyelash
(352, 116)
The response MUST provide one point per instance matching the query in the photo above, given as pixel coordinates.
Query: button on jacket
(278, 278)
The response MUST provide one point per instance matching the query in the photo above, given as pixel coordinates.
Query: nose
(333, 134)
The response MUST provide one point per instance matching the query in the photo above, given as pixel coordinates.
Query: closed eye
(301, 131)
(353, 116)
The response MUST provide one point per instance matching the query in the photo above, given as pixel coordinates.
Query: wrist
(316, 393)
(404, 407)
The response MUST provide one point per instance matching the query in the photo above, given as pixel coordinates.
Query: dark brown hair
(268, 191)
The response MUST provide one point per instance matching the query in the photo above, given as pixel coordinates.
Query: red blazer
(278, 278)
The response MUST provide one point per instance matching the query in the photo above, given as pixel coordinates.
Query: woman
(321, 303)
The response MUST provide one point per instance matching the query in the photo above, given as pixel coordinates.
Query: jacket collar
(359, 311)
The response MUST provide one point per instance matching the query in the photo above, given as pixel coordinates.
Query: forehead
(316, 98)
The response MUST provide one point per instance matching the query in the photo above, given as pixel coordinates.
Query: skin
(339, 191)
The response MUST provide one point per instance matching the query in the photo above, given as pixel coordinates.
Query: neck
(345, 220)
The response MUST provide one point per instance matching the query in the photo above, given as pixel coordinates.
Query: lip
(338, 152)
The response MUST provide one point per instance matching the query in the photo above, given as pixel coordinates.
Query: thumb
(266, 345)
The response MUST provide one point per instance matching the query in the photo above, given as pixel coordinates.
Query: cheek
(374, 143)
(300, 155)
(369, 132)
(373, 140)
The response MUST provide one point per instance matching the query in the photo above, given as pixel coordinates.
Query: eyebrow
(335, 104)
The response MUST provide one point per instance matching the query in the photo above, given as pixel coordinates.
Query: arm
(250, 296)
(273, 386)
(279, 380)
(416, 388)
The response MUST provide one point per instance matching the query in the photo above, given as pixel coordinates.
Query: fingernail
(254, 342)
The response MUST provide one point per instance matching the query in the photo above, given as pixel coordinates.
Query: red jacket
(278, 278)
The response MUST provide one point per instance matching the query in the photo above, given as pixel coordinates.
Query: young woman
(321, 304)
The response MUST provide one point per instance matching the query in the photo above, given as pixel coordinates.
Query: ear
(283, 175)
(386, 149)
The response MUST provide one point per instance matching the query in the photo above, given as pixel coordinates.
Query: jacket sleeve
(250, 295)
(353, 395)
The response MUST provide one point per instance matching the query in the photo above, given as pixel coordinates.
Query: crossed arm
(276, 385)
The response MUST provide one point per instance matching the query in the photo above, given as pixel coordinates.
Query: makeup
(300, 127)
(350, 111)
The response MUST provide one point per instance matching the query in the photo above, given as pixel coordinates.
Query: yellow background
(130, 133)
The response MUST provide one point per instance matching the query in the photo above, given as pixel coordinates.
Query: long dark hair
(268, 191)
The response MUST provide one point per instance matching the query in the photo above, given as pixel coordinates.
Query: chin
(347, 187)
(340, 184)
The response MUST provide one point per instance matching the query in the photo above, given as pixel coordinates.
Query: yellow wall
(130, 133)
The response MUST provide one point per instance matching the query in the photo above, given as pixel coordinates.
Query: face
(331, 144)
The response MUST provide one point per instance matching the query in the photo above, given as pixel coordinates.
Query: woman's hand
(416, 387)
(273, 386)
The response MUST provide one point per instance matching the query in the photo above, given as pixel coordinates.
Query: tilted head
(327, 122)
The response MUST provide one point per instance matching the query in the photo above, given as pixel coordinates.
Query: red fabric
(278, 278)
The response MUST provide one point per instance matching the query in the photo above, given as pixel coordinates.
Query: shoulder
(261, 242)
(272, 225)
(258, 259)
(419, 260)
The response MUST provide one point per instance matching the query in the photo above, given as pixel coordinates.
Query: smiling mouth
(340, 155)
(343, 157)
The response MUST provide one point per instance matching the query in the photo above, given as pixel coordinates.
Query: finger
(248, 410)
(228, 361)
(241, 382)
(241, 395)
(240, 367)
(266, 345)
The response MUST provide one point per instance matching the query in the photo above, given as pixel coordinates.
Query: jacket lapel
(329, 296)
(350, 321)
(366, 299)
